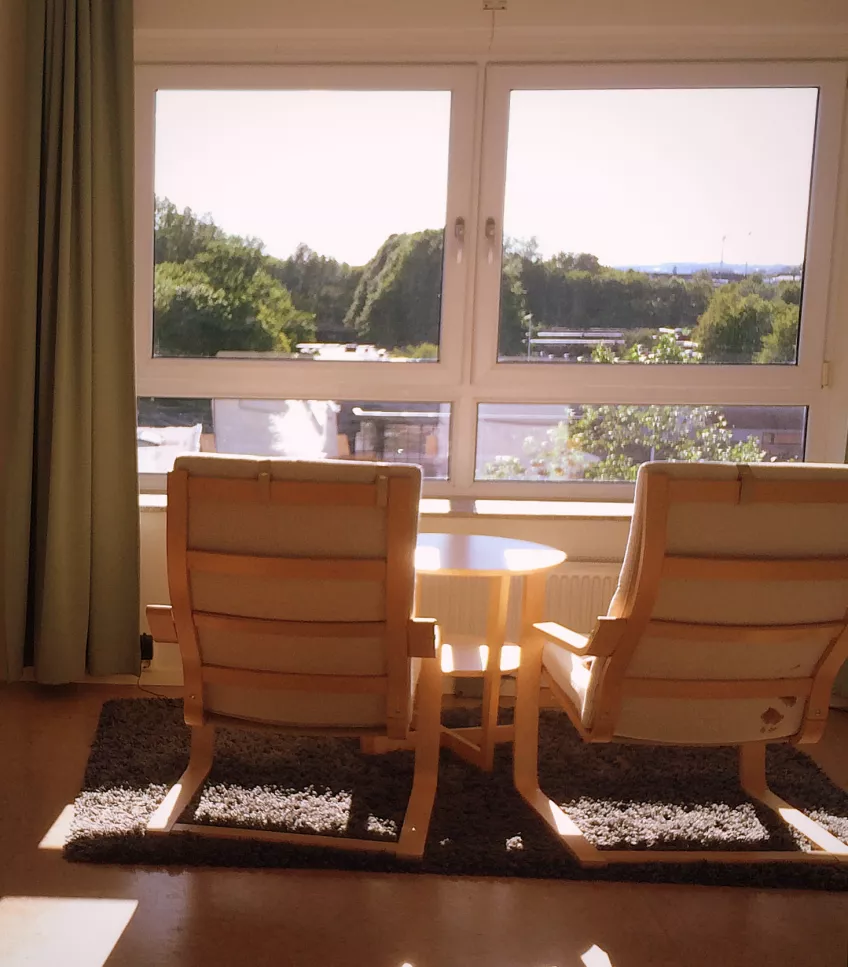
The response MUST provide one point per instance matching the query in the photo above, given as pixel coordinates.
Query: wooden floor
(57, 913)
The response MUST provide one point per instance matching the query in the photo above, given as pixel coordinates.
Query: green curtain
(70, 578)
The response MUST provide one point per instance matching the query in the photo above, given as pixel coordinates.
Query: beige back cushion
(283, 530)
(758, 530)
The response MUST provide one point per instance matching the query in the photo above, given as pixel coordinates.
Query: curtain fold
(71, 572)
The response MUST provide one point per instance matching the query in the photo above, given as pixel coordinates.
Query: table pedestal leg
(495, 634)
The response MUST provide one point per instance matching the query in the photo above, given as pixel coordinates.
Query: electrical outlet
(146, 647)
(494, 4)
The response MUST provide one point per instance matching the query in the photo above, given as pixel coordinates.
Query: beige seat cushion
(573, 674)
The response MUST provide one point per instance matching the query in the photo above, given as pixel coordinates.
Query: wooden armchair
(292, 589)
(728, 627)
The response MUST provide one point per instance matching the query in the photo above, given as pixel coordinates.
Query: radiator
(576, 594)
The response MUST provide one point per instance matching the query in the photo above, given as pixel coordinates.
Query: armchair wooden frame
(615, 639)
(405, 638)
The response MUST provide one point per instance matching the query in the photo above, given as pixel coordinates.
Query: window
(588, 267)
(347, 191)
(655, 225)
(550, 444)
(298, 429)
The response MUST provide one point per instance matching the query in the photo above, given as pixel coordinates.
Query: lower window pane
(298, 429)
(546, 442)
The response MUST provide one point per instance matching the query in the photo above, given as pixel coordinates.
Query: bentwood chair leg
(525, 756)
(180, 794)
(752, 776)
(413, 836)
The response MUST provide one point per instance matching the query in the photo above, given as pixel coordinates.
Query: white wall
(392, 30)
(262, 14)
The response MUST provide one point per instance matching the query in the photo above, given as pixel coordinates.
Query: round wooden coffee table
(500, 559)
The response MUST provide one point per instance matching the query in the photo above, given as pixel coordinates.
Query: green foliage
(321, 286)
(781, 344)
(733, 327)
(655, 349)
(222, 297)
(574, 291)
(515, 319)
(611, 443)
(751, 321)
(216, 292)
(181, 235)
(624, 437)
(424, 350)
(398, 299)
(602, 353)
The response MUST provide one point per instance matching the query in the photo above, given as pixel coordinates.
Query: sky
(634, 177)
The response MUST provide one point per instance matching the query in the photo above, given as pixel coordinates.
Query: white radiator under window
(577, 594)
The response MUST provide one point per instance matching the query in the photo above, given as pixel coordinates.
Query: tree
(575, 292)
(180, 235)
(781, 344)
(424, 350)
(611, 443)
(321, 286)
(224, 299)
(733, 326)
(398, 299)
(624, 437)
(653, 349)
(515, 320)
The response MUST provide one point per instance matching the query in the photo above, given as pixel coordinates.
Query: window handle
(489, 232)
(459, 234)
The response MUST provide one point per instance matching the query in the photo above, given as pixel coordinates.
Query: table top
(482, 556)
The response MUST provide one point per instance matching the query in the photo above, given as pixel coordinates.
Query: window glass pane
(298, 429)
(300, 224)
(544, 442)
(656, 226)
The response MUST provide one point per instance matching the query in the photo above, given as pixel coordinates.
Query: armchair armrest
(572, 641)
(423, 638)
(160, 617)
(601, 643)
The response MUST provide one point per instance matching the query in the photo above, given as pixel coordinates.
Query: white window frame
(257, 378)
(467, 373)
(576, 383)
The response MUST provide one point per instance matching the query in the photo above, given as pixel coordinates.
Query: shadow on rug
(626, 796)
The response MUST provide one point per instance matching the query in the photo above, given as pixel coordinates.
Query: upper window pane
(656, 226)
(300, 224)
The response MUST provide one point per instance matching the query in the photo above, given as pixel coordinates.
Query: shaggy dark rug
(622, 795)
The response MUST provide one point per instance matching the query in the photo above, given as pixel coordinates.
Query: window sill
(469, 507)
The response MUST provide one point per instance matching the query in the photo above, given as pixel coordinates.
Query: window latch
(459, 234)
(490, 239)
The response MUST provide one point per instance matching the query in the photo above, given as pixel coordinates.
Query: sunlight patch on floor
(57, 835)
(595, 957)
(71, 931)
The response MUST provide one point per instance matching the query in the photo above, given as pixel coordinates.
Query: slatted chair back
(728, 624)
(292, 589)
